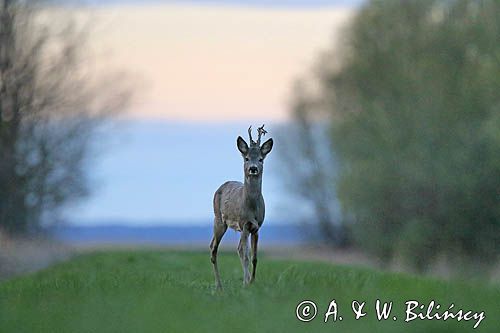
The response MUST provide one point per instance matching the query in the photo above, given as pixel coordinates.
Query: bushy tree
(415, 106)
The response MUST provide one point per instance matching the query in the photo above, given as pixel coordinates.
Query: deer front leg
(219, 231)
(243, 253)
(254, 240)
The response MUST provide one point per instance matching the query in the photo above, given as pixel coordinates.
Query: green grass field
(172, 291)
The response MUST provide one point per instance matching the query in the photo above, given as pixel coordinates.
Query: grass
(172, 291)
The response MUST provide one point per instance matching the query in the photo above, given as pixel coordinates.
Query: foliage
(412, 94)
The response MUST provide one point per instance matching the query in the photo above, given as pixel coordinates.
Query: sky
(155, 172)
(197, 62)
(203, 73)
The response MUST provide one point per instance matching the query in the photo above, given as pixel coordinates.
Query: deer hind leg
(243, 253)
(219, 231)
(254, 240)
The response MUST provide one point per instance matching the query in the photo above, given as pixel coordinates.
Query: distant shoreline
(177, 235)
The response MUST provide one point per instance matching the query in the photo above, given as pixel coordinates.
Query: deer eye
(261, 160)
(246, 159)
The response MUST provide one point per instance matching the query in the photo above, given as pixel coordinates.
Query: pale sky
(214, 63)
(204, 73)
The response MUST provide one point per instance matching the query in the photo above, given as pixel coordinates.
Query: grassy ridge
(168, 291)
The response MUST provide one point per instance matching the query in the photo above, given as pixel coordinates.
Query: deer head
(254, 154)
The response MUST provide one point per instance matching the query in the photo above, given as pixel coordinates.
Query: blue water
(260, 3)
(191, 235)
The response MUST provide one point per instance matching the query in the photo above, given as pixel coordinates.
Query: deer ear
(242, 145)
(266, 147)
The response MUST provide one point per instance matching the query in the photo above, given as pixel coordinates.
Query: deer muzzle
(253, 171)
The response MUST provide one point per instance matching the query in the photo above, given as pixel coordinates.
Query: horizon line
(291, 4)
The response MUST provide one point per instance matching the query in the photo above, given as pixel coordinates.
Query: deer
(240, 206)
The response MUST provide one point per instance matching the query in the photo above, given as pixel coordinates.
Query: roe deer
(240, 206)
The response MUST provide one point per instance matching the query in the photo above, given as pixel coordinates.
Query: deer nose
(253, 170)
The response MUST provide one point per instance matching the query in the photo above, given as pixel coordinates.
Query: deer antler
(261, 132)
(250, 135)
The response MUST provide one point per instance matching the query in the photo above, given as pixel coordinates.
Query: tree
(414, 103)
(50, 107)
(308, 168)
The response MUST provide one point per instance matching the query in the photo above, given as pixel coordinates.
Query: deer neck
(253, 188)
